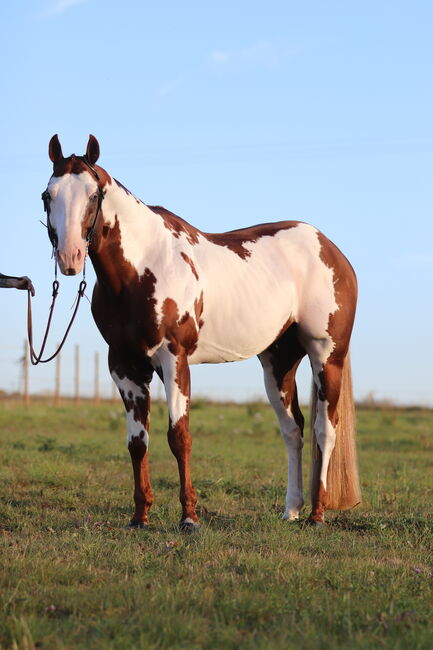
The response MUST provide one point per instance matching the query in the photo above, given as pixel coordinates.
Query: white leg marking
(292, 437)
(132, 394)
(325, 436)
(178, 402)
(319, 351)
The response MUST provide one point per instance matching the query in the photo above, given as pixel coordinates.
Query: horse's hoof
(315, 523)
(189, 526)
(135, 525)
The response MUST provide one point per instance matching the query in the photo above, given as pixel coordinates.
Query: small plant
(47, 444)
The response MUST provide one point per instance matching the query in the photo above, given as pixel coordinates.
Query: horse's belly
(234, 336)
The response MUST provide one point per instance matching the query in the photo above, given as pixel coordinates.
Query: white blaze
(69, 200)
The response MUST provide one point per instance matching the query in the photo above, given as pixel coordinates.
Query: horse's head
(72, 202)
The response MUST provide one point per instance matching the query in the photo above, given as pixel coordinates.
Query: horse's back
(257, 281)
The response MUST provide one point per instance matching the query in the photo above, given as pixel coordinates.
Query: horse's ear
(55, 149)
(92, 151)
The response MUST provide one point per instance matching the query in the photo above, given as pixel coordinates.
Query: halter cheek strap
(101, 195)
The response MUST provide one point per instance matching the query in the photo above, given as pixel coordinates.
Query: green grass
(72, 576)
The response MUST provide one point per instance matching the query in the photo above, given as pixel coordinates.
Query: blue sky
(229, 115)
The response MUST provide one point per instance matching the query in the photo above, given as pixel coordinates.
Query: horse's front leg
(133, 381)
(176, 377)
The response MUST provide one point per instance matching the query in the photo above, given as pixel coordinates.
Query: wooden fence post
(26, 396)
(114, 394)
(77, 374)
(57, 386)
(97, 395)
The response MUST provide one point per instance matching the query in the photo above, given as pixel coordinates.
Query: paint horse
(169, 295)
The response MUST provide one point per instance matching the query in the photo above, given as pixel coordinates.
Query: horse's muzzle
(71, 262)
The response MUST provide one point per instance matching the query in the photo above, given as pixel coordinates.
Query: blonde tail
(343, 489)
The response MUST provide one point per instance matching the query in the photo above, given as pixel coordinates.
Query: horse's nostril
(70, 271)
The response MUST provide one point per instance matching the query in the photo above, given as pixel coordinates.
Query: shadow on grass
(371, 523)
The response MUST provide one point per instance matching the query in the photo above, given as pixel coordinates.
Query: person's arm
(10, 281)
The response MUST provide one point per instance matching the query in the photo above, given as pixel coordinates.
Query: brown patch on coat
(139, 405)
(124, 305)
(179, 436)
(285, 355)
(320, 501)
(340, 323)
(89, 216)
(179, 439)
(189, 261)
(183, 377)
(346, 292)
(285, 327)
(198, 308)
(234, 240)
(76, 165)
(178, 330)
(143, 495)
(139, 371)
(176, 225)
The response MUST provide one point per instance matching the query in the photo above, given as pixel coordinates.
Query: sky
(230, 114)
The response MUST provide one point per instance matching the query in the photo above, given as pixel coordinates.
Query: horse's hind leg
(326, 320)
(280, 362)
(327, 377)
(132, 378)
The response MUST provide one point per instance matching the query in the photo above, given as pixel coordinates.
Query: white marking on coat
(283, 276)
(178, 403)
(325, 436)
(132, 392)
(292, 437)
(70, 195)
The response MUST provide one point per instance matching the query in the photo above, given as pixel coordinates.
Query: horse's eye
(94, 197)
(46, 198)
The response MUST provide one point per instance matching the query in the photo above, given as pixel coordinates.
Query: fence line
(57, 387)
(90, 385)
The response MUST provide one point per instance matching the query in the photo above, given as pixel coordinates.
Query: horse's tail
(343, 490)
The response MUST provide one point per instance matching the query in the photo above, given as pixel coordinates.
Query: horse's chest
(125, 322)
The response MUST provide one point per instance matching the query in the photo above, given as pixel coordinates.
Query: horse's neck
(129, 236)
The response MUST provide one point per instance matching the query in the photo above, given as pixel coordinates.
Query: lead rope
(37, 358)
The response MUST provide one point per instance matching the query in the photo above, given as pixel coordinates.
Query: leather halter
(35, 357)
(46, 199)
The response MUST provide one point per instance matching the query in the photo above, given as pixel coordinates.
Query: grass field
(73, 577)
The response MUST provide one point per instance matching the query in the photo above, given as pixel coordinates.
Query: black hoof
(314, 523)
(137, 525)
(189, 527)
